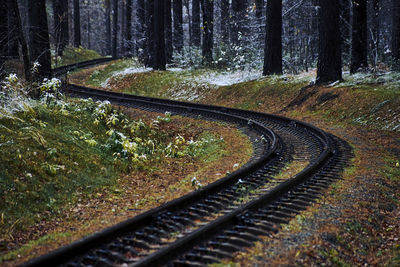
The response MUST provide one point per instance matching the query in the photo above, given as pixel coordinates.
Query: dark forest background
(279, 36)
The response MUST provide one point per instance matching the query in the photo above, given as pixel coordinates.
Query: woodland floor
(356, 222)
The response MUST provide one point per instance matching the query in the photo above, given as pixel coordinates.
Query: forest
(275, 121)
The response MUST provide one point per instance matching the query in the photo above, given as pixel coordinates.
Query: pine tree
(273, 38)
(396, 35)
(196, 33)
(208, 30)
(359, 39)
(39, 38)
(238, 20)
(225, 21)
(108, 26)
(128, 27)
(60, 8)
(115, 30)
(168, 31)
(178, 26)
(3, 35)
(159, 61)
(141, 30)
(77, 24)
(329, 56)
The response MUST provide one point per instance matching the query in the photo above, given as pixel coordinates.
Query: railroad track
(222, 218)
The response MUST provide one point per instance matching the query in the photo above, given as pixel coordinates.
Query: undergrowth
(55, 151)
(73, 55)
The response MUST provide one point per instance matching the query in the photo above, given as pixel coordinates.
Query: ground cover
(356, 222)
(71, 167)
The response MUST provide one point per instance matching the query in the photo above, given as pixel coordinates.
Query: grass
(73, 55)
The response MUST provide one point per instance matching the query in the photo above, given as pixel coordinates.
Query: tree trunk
(141, 31)
(61, 30)
(208, 31)
(273, 38)
(13, 8)
(346, 28)
(88, 32)
(259, 8)
(128, 28)
(225, 21)
(12, 33)
(77, 24)
(178, 27)
(115, 29)
(359, 41)
(375, 32)
(159, 61)
(168, 31)
(238, 20)
(329, 56)
(149, 60)
(3, 36)
(39, 38)
(108, 26)
(196, 33)
(396, 36)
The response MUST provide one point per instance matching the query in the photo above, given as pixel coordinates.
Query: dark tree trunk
(3, 36)
(149, 60)
(115, 29)
(159, 36)
(196, 32)
(128, 28)
(108, 26)
(345, 27)
(225, 21)
(12, 33)
(238, 20)
(77, 24)
(168, 31)
(359, 41)
(39, 38)
(88, 29)
(13, 8)
(208, 31)
(273, 38)
(329, 56)
(178, 26)
(396, 36)
(61, 30)
(375, 32)
(141, 31)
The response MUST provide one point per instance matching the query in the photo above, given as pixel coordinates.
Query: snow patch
(227, 78)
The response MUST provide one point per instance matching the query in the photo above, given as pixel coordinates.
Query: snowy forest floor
(356, 222)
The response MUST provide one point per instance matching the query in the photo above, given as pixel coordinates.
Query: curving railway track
(293, 163)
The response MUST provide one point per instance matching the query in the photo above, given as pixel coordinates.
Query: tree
(329, 56)
(208, 30)
(238, 20)
(178, 26)
(273, 38)
(3, 35)
(115, 29)
(196, 33)
(108, 26)
(359, 40)
(12, 32)
(60, 8)
(128, 27)
(141, 30)
(159, 60)
(77, 24)
(14, 10)
(396, 35)
(149, 59)
(168, 31)
(39, 38)
(259, 8)
(225, 20)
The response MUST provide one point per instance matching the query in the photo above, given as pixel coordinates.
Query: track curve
(214, 222)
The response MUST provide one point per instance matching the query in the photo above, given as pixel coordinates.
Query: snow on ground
(125, 72)
(227, 78)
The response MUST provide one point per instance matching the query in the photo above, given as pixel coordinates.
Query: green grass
(73, 55)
